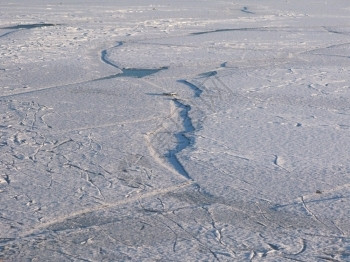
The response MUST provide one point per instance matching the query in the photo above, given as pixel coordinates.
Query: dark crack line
(17, 28)
(28, 26)
(259, 29)
(8, 33)
(233, 30)
(334, 31)
(104, 56)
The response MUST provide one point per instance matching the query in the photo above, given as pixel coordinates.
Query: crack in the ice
(197, 91)
(147, 210)
(245, 10)
(208, 74)
(17, 28)
(334, 31)
(104, 55)
(328, 258)
(315, 216)
(126, 72)
(182, 140)
(88, 178)
(259, 29)
(28, 26)
(8, 33)
(218, 233)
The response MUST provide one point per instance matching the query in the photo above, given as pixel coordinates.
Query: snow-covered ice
(175, 130)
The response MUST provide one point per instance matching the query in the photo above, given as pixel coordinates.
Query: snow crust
(174, 130)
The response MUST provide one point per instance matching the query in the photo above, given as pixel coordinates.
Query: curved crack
(126, 72)
(105, 59)
(197, 91)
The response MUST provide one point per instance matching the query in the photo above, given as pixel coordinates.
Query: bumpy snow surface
(173, 130)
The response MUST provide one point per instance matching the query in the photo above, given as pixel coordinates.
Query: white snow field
(173, 130)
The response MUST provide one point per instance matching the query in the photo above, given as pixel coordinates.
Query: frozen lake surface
(175, 130)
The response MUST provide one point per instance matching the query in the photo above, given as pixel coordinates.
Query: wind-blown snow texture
(174, 130)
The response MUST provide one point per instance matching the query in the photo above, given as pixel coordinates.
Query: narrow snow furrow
(8, 33)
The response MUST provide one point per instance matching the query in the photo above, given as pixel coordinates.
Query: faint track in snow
(42, 227)
(43, 89)
(308, 210)
(53, 87)
(106, 125)
(334, 46)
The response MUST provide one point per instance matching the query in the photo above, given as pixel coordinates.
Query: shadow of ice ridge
(133, 73)
(182, 140)
(139, 72)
